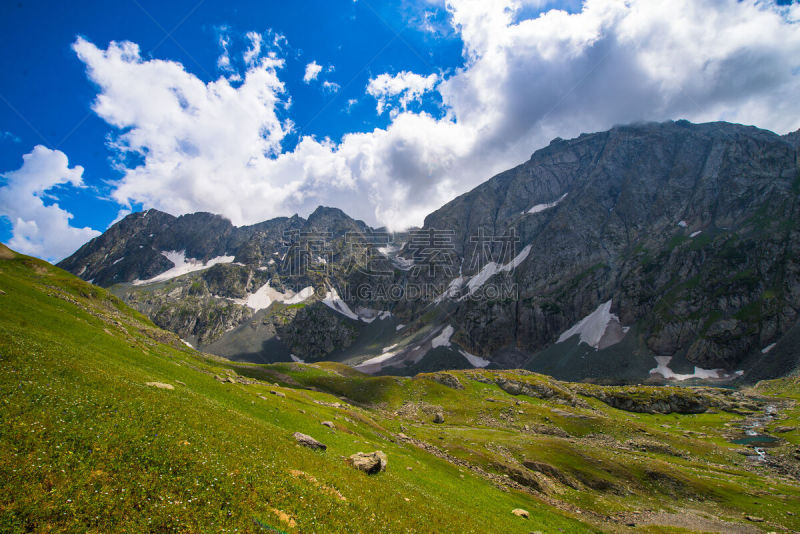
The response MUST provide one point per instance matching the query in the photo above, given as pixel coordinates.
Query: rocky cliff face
(690, 230)
(673, 240)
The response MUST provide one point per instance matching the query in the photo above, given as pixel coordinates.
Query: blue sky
(187, 105)
(46, 96)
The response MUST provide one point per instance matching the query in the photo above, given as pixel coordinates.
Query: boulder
(329, 424)
(369, 462)
(438, 418)
(521, 513)
(308, 441)
(160, 385)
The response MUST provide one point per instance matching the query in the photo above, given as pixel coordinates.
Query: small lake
(759, 440)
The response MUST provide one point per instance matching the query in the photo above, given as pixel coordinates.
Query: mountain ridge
(686, 231)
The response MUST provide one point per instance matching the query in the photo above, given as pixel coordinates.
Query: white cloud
(408, 86)
(312, 71)
(254, 51)
(331, 87)
(527, 78)
(37, 229)
(224, 59)
(8, 136)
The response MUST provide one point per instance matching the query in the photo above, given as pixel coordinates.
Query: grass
(87, 445)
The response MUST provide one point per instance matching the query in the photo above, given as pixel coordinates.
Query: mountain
(690, 231)
(650, 251)
(111, 424)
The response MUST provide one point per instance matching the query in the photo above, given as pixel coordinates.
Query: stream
(757, 440)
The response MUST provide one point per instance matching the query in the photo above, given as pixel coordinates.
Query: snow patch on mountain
(599, 329)
(335, 302)
(663, 369)
(265, 295)
(474, 361)
(369, 366)
(182, 265)
(300, 296)
(443, 339)
(541, 207)
(492, 268)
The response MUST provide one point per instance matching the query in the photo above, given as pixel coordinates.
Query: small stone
(231, 380)
(408, 468)
(277, 393)
(369, 462)
(519, 512)
(328, 424)
(160, 385)
(754, 519)
(308, 441)
(438, 418)
(401, 436)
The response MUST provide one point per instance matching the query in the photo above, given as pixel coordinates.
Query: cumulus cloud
(38, 229)
(407, 86)
(331, 87)
(312, 71)
(254, 51)
(528, 76)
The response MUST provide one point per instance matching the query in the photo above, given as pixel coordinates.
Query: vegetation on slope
(89, 440)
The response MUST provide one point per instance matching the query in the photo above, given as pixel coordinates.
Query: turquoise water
(758, 440)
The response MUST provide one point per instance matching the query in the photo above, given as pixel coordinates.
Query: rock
(231, 380)
(329, 424)
(754, 519)
(784, 429)
(519, 512)
(308, 441)
(369, 462)
(160, 385)
(277, 393)
(438, 418)
(447, 379)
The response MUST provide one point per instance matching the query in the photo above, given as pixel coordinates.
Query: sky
(385, 109)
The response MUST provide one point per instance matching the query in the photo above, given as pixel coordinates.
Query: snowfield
(443, 339)
(183, 265)
(491, 269)
(663, 369)
(335, 302)
(599, 329)
(541, 207)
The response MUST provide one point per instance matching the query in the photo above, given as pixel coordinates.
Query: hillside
(112, 424)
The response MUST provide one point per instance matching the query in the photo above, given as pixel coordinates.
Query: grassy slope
(86, 445)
